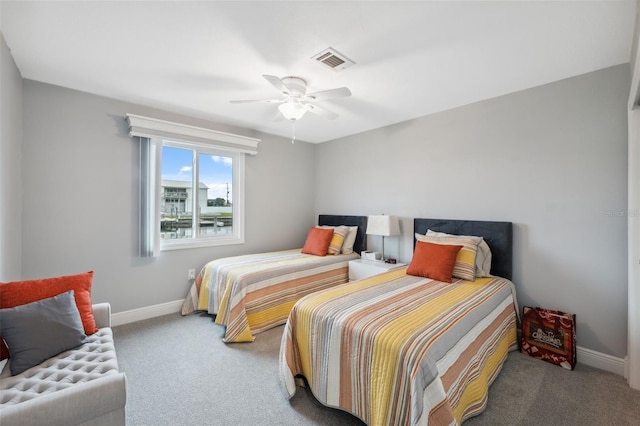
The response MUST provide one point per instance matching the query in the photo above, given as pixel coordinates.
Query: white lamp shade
(292, 110)
(383, 225)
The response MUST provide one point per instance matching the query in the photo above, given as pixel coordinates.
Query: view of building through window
(180, 196)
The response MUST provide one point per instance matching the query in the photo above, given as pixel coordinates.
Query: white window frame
(154, 132)
(237, 191)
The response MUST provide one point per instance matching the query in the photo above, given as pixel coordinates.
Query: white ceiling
(412, 58)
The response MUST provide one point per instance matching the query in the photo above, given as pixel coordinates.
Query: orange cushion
(318, 240)
(435, 261)
(22, 292)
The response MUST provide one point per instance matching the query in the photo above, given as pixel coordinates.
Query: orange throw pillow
(22, 292)
(435, 261)
(318, 240)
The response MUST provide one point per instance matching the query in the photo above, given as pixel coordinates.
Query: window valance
(154, 128)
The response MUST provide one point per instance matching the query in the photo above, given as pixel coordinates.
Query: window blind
(149, 245)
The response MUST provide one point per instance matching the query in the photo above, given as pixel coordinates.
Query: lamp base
(383, 258)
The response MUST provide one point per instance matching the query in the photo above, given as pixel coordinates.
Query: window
(198, 204)
(191, 185)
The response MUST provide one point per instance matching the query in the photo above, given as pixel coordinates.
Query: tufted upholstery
(90, 361)
(88, 375)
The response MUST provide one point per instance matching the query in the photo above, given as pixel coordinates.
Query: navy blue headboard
(359, 221)
(498, 235)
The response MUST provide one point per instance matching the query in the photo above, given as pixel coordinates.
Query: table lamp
(383, 225)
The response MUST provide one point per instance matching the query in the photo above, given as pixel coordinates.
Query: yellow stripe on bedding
(319, 298)
(221, 317)
(329, 294)
(264, 315)
(203, 297)
(389, 340)
(466, 256)
(477, 390)
(244, 336)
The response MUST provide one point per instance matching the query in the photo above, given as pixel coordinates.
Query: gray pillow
(37, 331)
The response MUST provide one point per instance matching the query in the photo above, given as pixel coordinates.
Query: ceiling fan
(295, 101)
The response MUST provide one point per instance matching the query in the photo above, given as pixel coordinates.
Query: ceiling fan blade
(341, 92)
(269, 101)
(321, 111)
(277, 83)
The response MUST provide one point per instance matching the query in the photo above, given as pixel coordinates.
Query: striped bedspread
(395, 349)
(253, 293)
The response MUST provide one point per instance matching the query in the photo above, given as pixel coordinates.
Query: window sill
(200, 243)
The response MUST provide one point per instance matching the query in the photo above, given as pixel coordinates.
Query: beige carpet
(181, 373)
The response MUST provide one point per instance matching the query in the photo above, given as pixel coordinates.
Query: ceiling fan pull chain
(293, 132)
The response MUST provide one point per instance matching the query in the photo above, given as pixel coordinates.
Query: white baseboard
(602, 361)
(599, 360)
(126, 317)
(585, 356)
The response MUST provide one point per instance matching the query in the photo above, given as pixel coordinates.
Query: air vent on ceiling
(333, 59)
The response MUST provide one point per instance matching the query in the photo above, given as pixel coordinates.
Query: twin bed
(253, 293)
(400, 349)
(393, 349)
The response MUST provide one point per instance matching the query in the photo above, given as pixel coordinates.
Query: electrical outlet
(191, 274)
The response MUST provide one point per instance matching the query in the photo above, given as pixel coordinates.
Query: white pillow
(483, 257)
(349, 240)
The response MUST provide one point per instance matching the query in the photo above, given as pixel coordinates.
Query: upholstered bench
(82, 386)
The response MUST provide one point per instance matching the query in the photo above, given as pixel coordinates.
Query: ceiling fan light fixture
(294, 101)
(292, 110)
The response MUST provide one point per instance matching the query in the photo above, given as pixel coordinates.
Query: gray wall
(10, 166)
(551, 159)
(80, 191)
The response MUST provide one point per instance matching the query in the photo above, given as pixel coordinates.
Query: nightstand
(361, 268)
